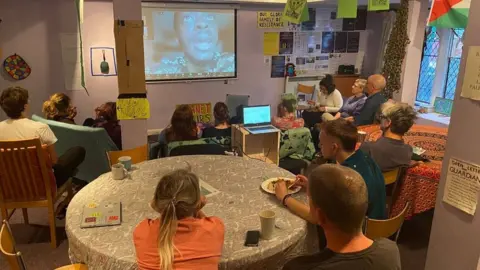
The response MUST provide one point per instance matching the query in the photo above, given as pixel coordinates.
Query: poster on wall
(353, 42)
(321, 63)
(471, 79)
(278, 67)
(102, 61)
(340, 42)
(270, 19)
(202, 112)
(271, 43)
(286, 43)
(301, 43)
(310, 24)
(328, 41)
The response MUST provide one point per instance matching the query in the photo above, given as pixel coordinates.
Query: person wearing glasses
(353, 105)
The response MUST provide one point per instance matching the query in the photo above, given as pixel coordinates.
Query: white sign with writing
(471, 79)
(462, 185)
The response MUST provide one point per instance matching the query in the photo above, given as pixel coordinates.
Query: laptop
(257, 119)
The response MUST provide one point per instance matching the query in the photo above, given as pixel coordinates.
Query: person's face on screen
(198, 34)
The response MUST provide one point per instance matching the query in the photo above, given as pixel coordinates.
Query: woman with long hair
(286, 118)
(222, 122)
(107, 119)
(59, 108)
(182, 126)
(182, 237)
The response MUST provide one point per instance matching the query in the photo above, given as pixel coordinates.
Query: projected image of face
(198, 35)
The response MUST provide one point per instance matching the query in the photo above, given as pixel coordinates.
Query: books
(101, 214)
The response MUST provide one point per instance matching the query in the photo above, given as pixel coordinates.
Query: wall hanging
(17, 67)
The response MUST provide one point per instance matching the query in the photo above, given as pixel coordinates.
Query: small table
(238, 203)
(265, 146)
(421, 182)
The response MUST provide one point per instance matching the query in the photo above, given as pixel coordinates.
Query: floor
(34, 241)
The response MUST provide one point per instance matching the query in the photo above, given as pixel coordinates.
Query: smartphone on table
(252, 238)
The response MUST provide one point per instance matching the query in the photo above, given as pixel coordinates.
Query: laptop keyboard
(260, 128)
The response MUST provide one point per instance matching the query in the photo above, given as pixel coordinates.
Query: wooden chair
(394, 178)
(26, 182)
(375, 228)
(14, 258)
(138, 155)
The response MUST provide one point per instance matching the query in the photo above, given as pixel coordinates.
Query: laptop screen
(256, 115)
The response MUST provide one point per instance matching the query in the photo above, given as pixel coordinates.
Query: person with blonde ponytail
(182, 238)
(59, 108)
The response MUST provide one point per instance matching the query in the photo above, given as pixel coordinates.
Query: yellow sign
(296, 11)
(133, 108)
(202, 112)
(271, 42)
(270, 19)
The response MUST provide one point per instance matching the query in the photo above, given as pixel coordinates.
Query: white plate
(418, 150)
(268, 181)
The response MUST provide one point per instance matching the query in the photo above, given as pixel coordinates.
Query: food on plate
(288, 182)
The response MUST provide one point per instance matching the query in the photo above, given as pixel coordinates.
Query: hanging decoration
(290, 70)
(449, 13)
(17, 67)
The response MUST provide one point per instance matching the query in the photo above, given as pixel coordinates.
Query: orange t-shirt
(198, 242)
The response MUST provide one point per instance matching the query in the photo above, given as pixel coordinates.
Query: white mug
(118, 171)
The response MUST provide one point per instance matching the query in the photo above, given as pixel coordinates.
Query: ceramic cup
(126, 161)
(267, 224)
(118, 171)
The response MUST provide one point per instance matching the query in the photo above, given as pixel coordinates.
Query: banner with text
(202, 112)
(270, 19)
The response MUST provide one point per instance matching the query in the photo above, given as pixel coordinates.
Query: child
(182, 237)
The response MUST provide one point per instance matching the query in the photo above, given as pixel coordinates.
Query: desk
(421, 182)
(237, 204)
(264, 146)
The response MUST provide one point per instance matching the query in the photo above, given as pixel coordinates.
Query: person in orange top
(182, 238)
(285, 118)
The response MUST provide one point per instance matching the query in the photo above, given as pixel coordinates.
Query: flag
(449, 13)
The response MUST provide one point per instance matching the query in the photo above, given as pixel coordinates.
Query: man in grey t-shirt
(338, 203)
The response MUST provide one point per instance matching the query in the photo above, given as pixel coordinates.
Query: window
(428, 65)
(454, 58)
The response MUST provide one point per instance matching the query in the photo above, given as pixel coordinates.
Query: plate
(418, 150)
(266, 183)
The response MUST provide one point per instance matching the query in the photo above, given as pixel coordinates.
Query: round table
(238, 203)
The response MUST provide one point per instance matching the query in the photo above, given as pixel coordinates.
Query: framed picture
(102, 61)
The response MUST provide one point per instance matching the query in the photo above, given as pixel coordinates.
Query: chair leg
(53, 232)
(25, 215)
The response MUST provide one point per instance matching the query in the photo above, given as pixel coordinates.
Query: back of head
(401, 115)
(183, 124)
(107, 111)
(377, 82)
(176, 197)
(221, 113)
(13, 101)
(289, 105)
(328, 83)
(341, 194)
(57, 105)
(344, 131)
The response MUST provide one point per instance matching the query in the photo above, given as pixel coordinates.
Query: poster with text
(286, 43)
(328, 42)
(311, 23)
(271, 43)
(202, 112)
(270, 19)
(353, 42)
(471, 79)
(278, 67)
(301, 43)
(340, 42)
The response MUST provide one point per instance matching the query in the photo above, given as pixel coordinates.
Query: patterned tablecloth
(238, 204)
(421, 182)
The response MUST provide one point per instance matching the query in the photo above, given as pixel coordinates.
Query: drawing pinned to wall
(102, 61)
(133, 108)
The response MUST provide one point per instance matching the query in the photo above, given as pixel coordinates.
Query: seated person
(338, 139)
(59, 108)
(182, 237)
(106, 117)
(222, 127)
(338, 202)
(329, 100)
(286, 116)
(353, 105)
(375, 84)
(14, 102)
(182, 126)
(390, 151)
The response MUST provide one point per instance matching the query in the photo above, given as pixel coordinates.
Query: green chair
(225, 142)
(296, 149)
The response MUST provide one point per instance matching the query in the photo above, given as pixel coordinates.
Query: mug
(126, 161)
(118, 171)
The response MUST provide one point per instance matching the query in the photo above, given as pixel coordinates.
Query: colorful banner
(449, 13)
(296, 11)
(271, 42)
(270, 19)
(347, 9)
(376, 5)
(202, 112)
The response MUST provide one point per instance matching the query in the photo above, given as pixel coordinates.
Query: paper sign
(471, 79)
(462, 185)
(270, 19)
(133, 108)
(347, 9)
(295, 11)
(374, 5)
(271, 42)
(202, 112)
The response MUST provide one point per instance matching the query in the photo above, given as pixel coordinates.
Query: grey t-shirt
(388, 153)
(383, 254)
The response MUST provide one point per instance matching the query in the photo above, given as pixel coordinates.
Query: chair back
(8, 249)
(138, 155)
(305, 90)
(375, 228)
(296, 144)
(198, 149)
(24, 176)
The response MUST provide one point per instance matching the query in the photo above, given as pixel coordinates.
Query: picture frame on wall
(102, 61)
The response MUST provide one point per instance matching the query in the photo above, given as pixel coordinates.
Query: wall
(39, 43)
(455, 236)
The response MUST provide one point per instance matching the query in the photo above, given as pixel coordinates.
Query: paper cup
(362, 135)
(267, 224)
